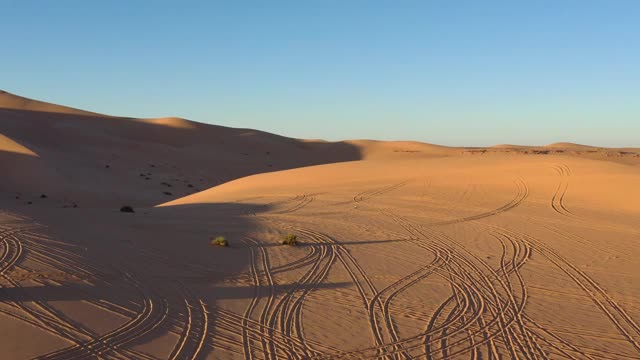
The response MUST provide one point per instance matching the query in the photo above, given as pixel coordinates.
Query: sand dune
(571, 146)
(108, 161)
(15, 102)
(9, 145)
(406, 250)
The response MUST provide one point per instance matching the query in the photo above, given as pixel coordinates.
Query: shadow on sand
(154, 262)
(129, 158)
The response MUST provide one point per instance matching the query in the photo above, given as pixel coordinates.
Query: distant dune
(509, 146)
(571, 146)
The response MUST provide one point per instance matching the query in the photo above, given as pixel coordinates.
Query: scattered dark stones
(152, 165)
(29, 202)
(127, 209)
(167, 193)
(107, 166)
(43, 196)
(189, 185)
(147, 178)
(165, 184)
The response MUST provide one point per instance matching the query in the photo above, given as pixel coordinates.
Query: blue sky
(448, 72)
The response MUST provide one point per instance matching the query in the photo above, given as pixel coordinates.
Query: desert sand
(406, 250)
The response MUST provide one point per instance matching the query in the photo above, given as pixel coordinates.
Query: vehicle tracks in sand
(299, 202)
(475, 280)
(557, 200)
(559, 206)
(522, 192)
(616, 314)
(43, 315)
(286, 315)
(369, 194)
(85, 343)
(193, 336)
(473, 305)
(273, 342)
(154, 313)
(396, 346)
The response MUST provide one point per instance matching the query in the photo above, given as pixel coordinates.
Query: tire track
(48, 319)
(301, 202)
(557, 201)
(369, 194)
(153, 314)
(625, 324)
(287, 312)
(473, 299)
(522, 192)
(196, 326)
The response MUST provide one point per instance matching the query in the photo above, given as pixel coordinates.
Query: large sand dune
(407, 250)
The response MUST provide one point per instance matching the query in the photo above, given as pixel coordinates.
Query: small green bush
(219, 241)
(290, 239)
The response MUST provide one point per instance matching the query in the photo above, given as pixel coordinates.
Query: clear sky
(446, 71)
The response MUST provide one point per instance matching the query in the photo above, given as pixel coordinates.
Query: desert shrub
(290, 239)
(219, 241)
(126, 209)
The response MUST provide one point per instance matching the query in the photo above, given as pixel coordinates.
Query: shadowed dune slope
(101, 160)
(97, 160)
